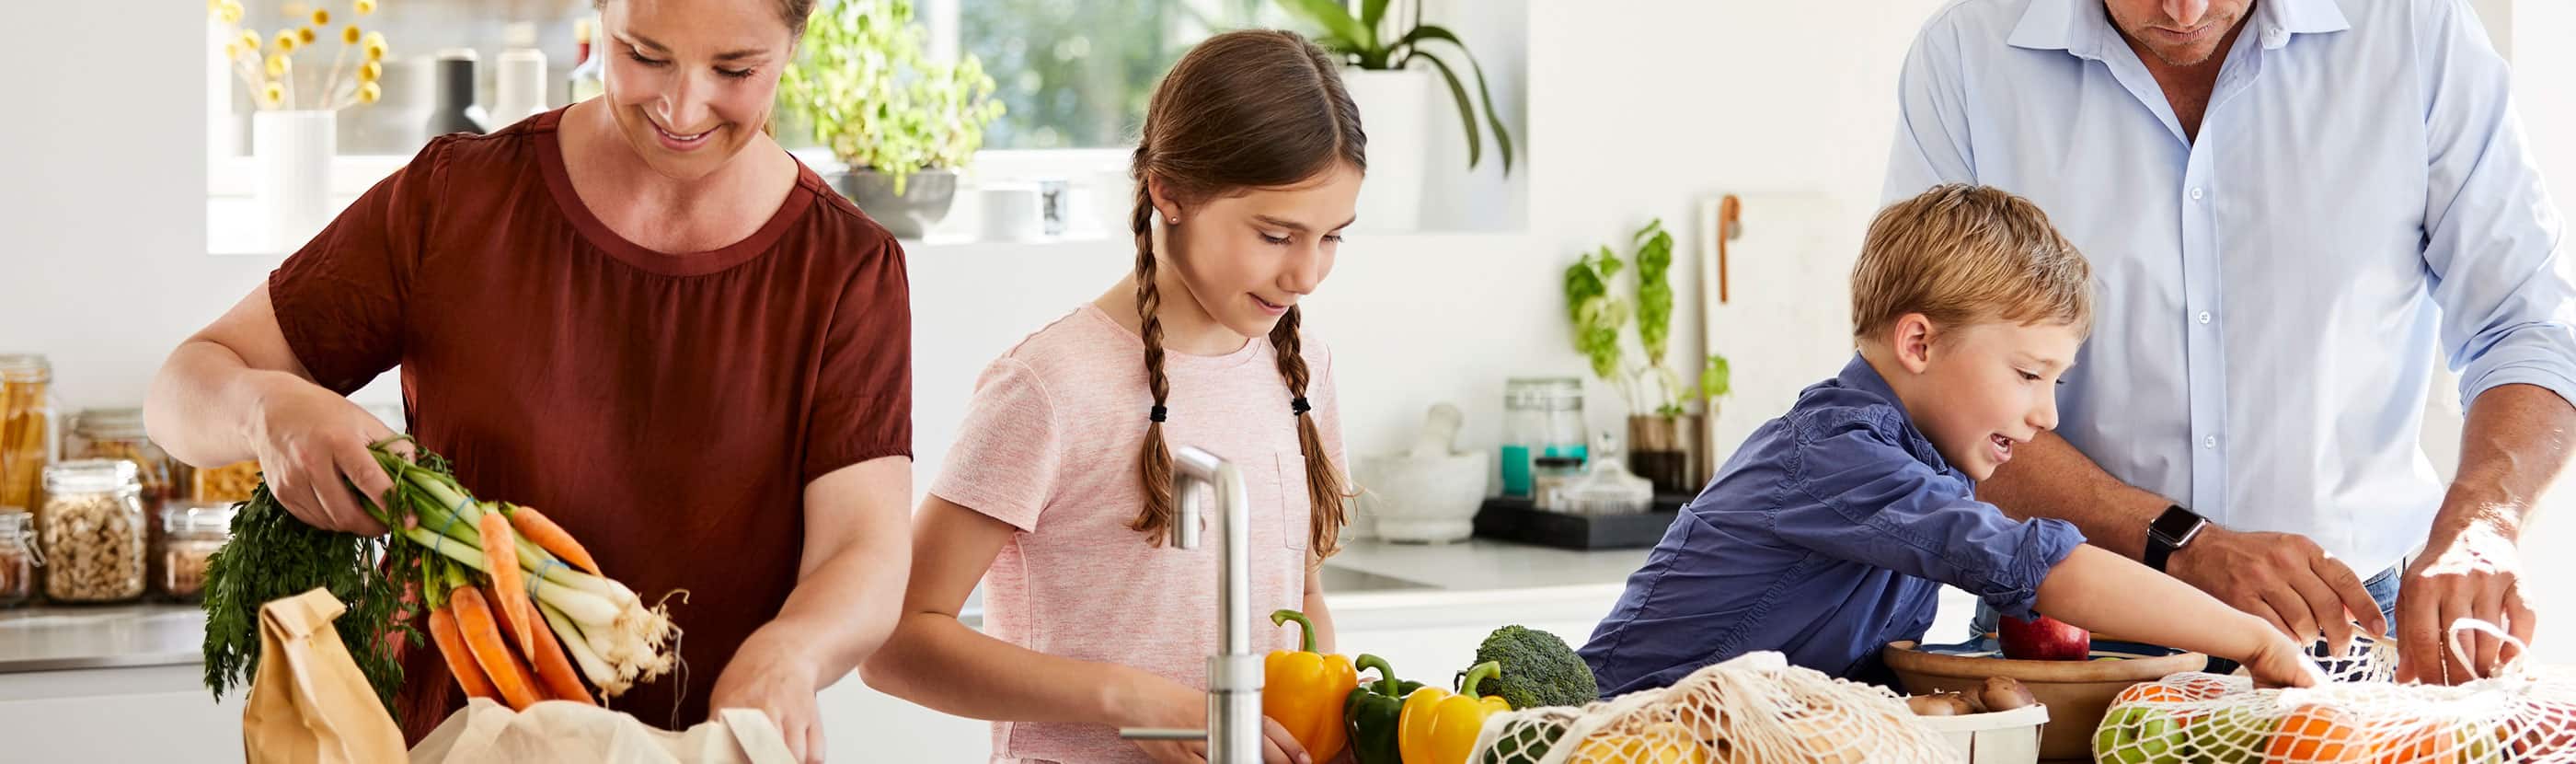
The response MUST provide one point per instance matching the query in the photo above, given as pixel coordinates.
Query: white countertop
(1367, 574)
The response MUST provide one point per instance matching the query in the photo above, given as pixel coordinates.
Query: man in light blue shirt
(2291, 206)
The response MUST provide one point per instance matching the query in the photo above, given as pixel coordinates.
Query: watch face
(2177, 525)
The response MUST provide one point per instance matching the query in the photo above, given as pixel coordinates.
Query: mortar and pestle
(1430, 494)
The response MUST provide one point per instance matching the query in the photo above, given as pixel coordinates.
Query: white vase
(291, 157)
(1395, 110)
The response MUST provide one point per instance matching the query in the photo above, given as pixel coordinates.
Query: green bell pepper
(1372, 711)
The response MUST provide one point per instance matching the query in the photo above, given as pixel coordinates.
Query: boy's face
(1981, 389)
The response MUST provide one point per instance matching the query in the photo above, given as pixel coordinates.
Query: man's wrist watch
(2171, 531)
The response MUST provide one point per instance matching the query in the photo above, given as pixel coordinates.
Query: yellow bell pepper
(1661, 743)
(1437, 727)
(1303, 691)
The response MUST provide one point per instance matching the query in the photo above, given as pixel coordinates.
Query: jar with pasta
(90, 528)
(190, 534)
(228, 483)
(26, 426)
(17, 558)
(119, 434)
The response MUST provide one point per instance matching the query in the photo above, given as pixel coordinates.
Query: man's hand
(2284, 578)
(2475, 572)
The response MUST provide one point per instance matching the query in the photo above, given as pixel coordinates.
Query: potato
(2004, 693)
(1939, 704)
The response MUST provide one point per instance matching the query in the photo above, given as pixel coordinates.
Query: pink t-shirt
(1050, 445)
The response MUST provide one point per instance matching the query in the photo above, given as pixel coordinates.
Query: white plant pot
(291, 157)
(1395, 110)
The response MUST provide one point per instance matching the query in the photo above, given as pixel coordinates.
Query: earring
(1175, 220)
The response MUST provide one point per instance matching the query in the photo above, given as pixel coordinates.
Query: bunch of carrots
(517, 608)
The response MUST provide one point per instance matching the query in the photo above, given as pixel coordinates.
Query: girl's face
(1249, 257)
(691, 82)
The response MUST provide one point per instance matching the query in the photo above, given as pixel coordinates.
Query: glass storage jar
(90, 529)
(190, 534)
(27, 439)
(1543, 417)
(18, 559)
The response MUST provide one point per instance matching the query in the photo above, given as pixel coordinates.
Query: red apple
(2045, 639)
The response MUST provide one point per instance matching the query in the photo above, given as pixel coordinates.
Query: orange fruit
(2316, 735)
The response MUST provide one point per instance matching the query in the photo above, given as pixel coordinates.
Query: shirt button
(2195, 193)
(2204, 316)
(2209, 442)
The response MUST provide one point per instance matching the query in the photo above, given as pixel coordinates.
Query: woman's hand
(312, 445)
(770, 675)
(1171, 705)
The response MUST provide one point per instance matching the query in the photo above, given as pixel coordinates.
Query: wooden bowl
(2077, 693)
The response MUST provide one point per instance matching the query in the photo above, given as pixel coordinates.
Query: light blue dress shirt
(2271, 297)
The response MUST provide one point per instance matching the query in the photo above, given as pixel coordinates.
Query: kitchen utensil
(1430, 493)
(456, 111)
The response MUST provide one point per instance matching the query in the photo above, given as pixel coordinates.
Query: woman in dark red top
(735, 421)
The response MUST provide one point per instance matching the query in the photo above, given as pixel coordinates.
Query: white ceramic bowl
(1430, 500)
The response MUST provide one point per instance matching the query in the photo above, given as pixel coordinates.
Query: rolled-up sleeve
(2492, 237)
(1871, 501)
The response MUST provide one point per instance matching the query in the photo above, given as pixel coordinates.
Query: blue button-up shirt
(2271, 295)
(1827, 535)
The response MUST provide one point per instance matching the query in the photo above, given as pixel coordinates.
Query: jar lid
(196, 517)
(1552, 393)
(25, 367)
(14, 521)
(110, 424)
(91, 476)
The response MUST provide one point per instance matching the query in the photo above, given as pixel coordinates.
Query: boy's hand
(2279, 662)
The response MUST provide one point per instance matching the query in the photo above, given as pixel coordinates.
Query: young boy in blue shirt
(1831, 530)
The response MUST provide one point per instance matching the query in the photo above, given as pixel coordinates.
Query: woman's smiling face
(691, 82)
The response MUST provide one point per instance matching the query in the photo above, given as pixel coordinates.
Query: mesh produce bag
(2525, 714)
(1755, 709)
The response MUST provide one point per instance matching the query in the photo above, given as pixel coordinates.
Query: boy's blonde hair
(1961, 254)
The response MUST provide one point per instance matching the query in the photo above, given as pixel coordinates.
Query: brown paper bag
(557, 731)
(309, 704)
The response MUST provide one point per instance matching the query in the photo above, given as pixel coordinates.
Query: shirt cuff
(2045, 542)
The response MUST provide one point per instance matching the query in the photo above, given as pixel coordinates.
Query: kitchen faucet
(1234, 672)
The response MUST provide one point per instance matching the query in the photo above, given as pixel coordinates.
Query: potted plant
(1395, 100)
(1664, 437)
(901, 124)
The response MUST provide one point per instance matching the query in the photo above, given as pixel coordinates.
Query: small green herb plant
(1599, 316)
(862, 78)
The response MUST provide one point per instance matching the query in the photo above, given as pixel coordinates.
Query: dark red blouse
(666, 409)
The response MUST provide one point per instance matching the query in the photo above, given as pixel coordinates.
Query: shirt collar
(2083, 27)
(1859, 376)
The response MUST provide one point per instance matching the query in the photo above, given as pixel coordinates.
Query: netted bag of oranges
(2525, 714)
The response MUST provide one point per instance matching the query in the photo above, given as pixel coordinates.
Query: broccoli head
(1538, 669)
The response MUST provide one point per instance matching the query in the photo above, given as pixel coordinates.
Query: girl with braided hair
(1059, 491)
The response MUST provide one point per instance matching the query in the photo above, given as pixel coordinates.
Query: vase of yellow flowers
(294, 130)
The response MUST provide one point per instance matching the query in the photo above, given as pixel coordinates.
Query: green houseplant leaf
(1356, 41)
(1502, 138)
(1336, 20)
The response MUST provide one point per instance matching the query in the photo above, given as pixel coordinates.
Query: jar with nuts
(17, 558)
(90, 528)
(190, 534)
